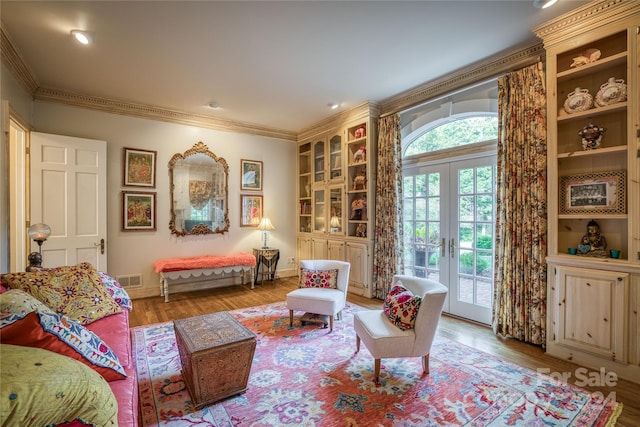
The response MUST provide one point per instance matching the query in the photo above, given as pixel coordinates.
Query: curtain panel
(520, 292)
(387, 259)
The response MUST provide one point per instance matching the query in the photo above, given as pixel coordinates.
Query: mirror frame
(198, 148)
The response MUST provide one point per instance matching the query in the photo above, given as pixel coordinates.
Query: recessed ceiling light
(333, 105)
(81, 36)
(543, 4)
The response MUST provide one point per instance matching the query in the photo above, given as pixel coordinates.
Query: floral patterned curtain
(387, 259)
(199, 193)
(520, 293)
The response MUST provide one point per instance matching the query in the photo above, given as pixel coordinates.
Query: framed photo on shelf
(139, 168)
(138, 211)
(250, 210)
(598, 192)
(251, 175)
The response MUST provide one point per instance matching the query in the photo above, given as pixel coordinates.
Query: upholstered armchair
(323, 289)
(385, 339)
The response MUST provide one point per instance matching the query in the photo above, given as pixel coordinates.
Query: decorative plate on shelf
(578, 100)
(612, 92)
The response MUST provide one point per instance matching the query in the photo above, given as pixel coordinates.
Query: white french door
(449, 231)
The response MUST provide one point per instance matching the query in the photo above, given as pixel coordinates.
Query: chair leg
(357, 343)
(291, 318)
(340, 315)
(425, 364)
(330, 323)
(376, 370)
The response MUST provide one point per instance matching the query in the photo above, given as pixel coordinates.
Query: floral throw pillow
(75, 291)
(401, 306)
(318, 278)
(116, 291)
(27, 322)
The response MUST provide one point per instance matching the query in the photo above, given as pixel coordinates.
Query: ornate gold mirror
(198, 184)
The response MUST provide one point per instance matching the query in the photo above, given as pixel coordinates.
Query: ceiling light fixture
(214, 105)
(543, 4)
(333, 105)
(81, 36)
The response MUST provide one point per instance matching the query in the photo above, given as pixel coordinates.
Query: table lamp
(335, 224)
(38, 233)
(265, 226)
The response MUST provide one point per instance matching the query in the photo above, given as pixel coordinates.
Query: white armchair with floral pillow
(406, 326)
(322, 289)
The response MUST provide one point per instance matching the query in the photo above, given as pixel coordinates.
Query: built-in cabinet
(335, 186)
(593, 135)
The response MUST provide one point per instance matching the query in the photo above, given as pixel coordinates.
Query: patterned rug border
(255, 311)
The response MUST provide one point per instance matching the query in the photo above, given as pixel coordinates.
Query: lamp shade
(39, 232)
(265, 224)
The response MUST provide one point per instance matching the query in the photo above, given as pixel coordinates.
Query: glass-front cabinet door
(319, 211)
(335, 158)
(328, 210)
(336, 209)
(304, 187)
(319, 161)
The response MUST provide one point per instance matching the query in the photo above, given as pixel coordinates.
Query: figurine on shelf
(361, 132)
(586, 57)
(360, 155)
(360, 181)
(359, 209)
(591, 136)
(593, 243)
(361, 230)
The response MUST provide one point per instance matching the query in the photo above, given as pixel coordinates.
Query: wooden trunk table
(216, 352)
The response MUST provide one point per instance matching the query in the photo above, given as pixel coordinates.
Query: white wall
(135, 252)
(18, 99)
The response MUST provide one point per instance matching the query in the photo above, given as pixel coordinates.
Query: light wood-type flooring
(147, 311)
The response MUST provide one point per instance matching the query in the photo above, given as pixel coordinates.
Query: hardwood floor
(147, 311)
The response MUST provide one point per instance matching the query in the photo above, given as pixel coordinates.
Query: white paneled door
(69, 193)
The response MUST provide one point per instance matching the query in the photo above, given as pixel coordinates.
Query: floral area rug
(306, 376)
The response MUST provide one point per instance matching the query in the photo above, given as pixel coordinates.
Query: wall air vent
(130, 281)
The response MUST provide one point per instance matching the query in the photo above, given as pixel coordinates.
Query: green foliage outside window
(455, 134)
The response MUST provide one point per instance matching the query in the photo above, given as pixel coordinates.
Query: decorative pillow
(75, 291)
(26, 321)
(41, 388)
(318, 278)
(401, 306)
(116, 291)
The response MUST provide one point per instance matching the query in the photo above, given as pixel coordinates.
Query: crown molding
(16, 65)
(26, 78)
(359, 112)
(587, 18)
(474, 73)
(151, 112)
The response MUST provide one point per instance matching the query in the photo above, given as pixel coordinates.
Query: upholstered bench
(202, 268)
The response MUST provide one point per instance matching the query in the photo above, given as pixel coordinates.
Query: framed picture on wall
(138, 211)
(139, 168)
(251, 175)
(250, 210)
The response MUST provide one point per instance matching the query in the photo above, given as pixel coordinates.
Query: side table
(268, 257)
(216, 353)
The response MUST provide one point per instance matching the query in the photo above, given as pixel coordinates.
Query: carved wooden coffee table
(216, 352)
